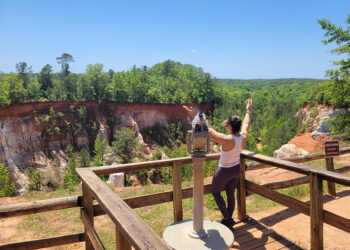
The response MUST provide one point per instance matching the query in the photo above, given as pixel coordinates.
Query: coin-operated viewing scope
(198, 143)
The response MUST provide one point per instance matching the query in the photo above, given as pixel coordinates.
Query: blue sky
(230, 39)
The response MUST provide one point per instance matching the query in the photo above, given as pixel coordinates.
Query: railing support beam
(241, 192)
(330, 167)
(88, 208)
(316, 212)
(121, 242)
(177, 192)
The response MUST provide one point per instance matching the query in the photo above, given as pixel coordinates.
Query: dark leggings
(225, 179)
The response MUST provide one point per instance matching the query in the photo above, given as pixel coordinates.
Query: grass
(322, 164)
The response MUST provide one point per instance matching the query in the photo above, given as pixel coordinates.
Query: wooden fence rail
(315, 209)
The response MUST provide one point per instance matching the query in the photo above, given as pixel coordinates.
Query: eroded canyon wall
(36, 134)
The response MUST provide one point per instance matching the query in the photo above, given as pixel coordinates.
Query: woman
(227, 174)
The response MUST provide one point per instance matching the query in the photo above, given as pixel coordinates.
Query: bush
(99, 150)
(71, 177)
(84, 158)
(125, 143)
(7, 188)
(34, 179)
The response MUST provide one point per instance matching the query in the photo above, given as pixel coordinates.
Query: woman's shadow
(250, 234)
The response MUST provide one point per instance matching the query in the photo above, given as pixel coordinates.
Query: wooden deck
(250, 234)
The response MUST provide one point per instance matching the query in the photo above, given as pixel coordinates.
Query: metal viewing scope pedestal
(198, 233)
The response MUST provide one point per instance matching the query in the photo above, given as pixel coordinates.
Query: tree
(70, 175)
(84, 158)
(125, 143)
(45, 77)
(339, 89)
(111, 73)
(64, 61)
(99, 150)
(7, 188)
(23, 70)
(33, 91)
(341, 75)
(117, 88)
(169, 69)
(4, 93)
(17, 93)
(97, 80)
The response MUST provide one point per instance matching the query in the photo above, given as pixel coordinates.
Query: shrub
(71, 177)
(84, 158)
(125, 143)
(99, 150)
(7, 188)
(34, 179)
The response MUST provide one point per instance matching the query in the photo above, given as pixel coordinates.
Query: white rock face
(116, 179)
(289, 151)
(324, 126)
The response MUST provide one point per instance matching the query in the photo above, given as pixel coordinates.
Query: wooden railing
(132, 231)
(315, 209)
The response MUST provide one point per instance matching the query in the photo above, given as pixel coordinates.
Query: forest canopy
(276, 101)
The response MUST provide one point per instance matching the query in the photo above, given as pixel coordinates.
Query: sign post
(331, 150)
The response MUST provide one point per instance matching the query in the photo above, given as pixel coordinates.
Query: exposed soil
(305, 141)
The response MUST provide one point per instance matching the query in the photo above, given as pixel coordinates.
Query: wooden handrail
(297, 167)
(148, 165)
(297, 181)
(299, 159)
(210, 157)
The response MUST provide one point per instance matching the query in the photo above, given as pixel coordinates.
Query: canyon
(36, 134)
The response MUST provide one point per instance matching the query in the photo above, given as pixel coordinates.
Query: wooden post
(177, 192)
(316, 212)
(121, 242)
(241, 192)
(330, 167)
(88, 207)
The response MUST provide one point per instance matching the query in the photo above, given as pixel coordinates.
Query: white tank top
(231, 158)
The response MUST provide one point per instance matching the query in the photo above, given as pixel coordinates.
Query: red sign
(331, 148)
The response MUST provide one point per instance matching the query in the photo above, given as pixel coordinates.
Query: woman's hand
(249, 104)
(189, 111)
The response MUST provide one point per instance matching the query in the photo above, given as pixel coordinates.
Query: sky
(238, 39)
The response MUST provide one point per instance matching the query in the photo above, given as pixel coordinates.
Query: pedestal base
(198, 235)
(219, 237)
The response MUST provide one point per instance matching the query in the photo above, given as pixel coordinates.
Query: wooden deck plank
(257, 238)
(260, 242)
(278, 244)
(292, 247)
(247, 231)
